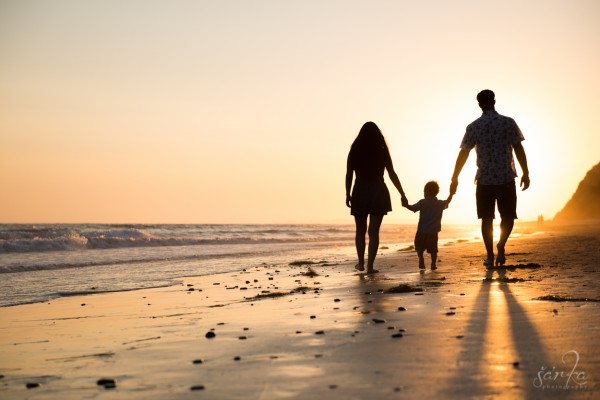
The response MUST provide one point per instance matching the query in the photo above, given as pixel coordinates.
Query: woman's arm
(349, 174)
(394, 177)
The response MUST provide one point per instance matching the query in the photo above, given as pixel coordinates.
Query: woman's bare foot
(489, 262)
(359, 267)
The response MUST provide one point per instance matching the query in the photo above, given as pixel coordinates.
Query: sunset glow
(244, 112)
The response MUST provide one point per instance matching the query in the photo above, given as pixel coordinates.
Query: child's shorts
(426, 241)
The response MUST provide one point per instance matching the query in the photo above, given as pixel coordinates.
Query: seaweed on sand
(311, 273)
(409, 248)
(305, 262)
(273, 295)
(403, 288)
(552, 297)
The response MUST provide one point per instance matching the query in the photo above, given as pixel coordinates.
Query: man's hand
(453, 186)
(525, 182)
(348, 201)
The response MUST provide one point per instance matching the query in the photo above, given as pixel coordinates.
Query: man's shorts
(506, 197)
(426, 241)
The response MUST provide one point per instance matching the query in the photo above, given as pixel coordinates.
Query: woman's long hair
(369, 151)
(369, 138)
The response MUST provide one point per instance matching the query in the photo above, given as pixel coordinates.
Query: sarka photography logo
(567, 378)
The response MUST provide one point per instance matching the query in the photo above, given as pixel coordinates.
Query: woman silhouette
(369, 156)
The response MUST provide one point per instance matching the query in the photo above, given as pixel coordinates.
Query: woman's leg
(359, 240)
(374, 225)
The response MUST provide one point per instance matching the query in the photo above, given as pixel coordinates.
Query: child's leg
(433, 260)
(421, 259)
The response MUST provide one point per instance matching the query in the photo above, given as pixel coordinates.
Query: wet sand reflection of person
(369, 157)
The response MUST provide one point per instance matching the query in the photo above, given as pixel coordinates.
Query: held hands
(404, 201)
(453, 186)
(525, 182)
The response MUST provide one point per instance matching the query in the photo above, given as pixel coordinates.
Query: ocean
(46, 261)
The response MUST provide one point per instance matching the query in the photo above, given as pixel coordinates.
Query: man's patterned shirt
(493, 136)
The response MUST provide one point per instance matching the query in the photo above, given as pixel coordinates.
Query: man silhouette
(494, 138)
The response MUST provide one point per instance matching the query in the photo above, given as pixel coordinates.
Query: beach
(314, 328)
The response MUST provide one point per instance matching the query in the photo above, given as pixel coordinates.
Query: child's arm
(413, 208)
(449, 199)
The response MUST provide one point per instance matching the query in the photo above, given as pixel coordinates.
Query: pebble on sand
(401, 309)
(379, 321)
(197, 387)
(319, 332)
(210, 334)
(397, 335)
(31, 385)
(198, 361)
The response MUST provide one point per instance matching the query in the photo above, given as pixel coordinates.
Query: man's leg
(374, 225)
(486, 204)
(507, 207)
(359, 240)
(487, 231)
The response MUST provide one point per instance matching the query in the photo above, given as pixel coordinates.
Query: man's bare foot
(359, 267)
(501, 257)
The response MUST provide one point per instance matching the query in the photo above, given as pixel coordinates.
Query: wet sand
(525, 331)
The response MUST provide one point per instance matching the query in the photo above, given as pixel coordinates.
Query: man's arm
(461, 159)
(522, 158)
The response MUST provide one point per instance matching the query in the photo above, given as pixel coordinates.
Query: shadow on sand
(502, 352)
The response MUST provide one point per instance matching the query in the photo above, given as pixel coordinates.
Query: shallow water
(41, 262)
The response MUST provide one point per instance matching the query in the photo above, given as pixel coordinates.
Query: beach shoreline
(279, 333)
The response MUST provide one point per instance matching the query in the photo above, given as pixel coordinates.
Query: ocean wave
(62, 244)
(43, 241)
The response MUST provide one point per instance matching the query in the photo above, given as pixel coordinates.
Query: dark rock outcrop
(585, 203)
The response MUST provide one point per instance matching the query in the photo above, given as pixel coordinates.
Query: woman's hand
(348, 201)
(404, 201)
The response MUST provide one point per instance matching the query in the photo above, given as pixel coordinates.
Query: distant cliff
(585, 203)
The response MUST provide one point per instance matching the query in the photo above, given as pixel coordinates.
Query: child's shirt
(430, 216)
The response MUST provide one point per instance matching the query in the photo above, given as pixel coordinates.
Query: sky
(143, 111)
